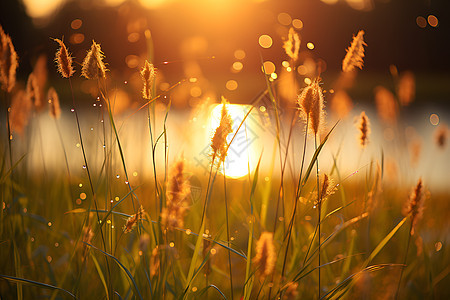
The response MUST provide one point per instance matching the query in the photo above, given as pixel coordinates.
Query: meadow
(130, 199)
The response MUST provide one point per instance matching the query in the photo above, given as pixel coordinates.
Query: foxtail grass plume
(328, 187)
(265, 257)
(178, 190)
(355, 53)
(386, 104)
(406, 89)
(341, 104)
(53, 103)
(8, 63)
(414, 205)
(2, 35)
(154, 262)
(33, 91)
(292, 44)
(363, 126)
(440, 136)
(21, 107)
(133, 220)
(219, 139)
(93, 66)
(311, 105)
(63, 60)
(148, 74)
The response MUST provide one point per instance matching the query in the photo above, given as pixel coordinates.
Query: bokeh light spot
(421, 22)
(265, 41)
(196, 91)
(132, 61)
(302, 70)
(284, 19)
(310, 45)
(239, 54)
(77, 38)
(433, 21)
(76, 24)
(133, 37)
(83, 196)
(297, 23)
(231, 85)
(237, 66)
(434, 119)
(269, 67)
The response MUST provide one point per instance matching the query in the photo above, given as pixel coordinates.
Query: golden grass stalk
(265, 257)
(387, 107)
(88, 234)
(133, 220)
(63, 60)
(406, 88)
(8, 63)
(93, 66)
(21, 106)
(355, 53)
(363, 126)
(53, 103)
(219, 139)
(311, 105)
(440, 136)
(2, 35)
(148, 74)
(154, 262)
(33, 92)
(414, 205)
(178, 190)
(292, 44)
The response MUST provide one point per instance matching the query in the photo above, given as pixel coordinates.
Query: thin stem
(319, 205)
(404, 261)
(228, 227)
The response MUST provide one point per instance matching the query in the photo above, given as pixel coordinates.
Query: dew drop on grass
(72, 110)
(117, 176)
(84, 167)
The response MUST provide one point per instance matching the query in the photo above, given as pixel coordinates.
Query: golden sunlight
(242, 155)
(42, 8)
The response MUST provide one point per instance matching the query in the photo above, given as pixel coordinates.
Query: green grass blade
(137, 292)
(100, 274)
(35, 283)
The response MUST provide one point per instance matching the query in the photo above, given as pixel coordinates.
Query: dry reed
(21, 107)
(148, 74)
(311, 105)
(414, 205)
(133, 220)
(178, 190)
(8, 63)
(219, 139)
(355, 53)
(63, 60)
(93, 66)
(364, 129)
(33, 92)
(265, 257)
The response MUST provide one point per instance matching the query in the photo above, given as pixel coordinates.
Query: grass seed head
(386, 104)
(8, 63)
(219, 139)
(148, 74)
(414, 205)
(21, 107)
(63, 60)
(33, 91)
(364, 129)
(406, 89)
(311, 103)
(440, 136)
(265, 257)
(355, 53)
(133, 220)
(178, 190)
(93, 66)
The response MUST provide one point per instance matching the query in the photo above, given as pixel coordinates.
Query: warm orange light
(265, 41)
(269, 67)
(434, 119)
(284, 19)
(433, 21)
(239, 54)
(76, 24)
(42, 8)
(237, 66)
(421, 22)
(231, 85)
(297, 23)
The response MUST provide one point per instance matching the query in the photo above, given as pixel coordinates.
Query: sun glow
(241, 157)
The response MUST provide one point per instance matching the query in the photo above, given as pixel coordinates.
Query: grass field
(104, 197)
